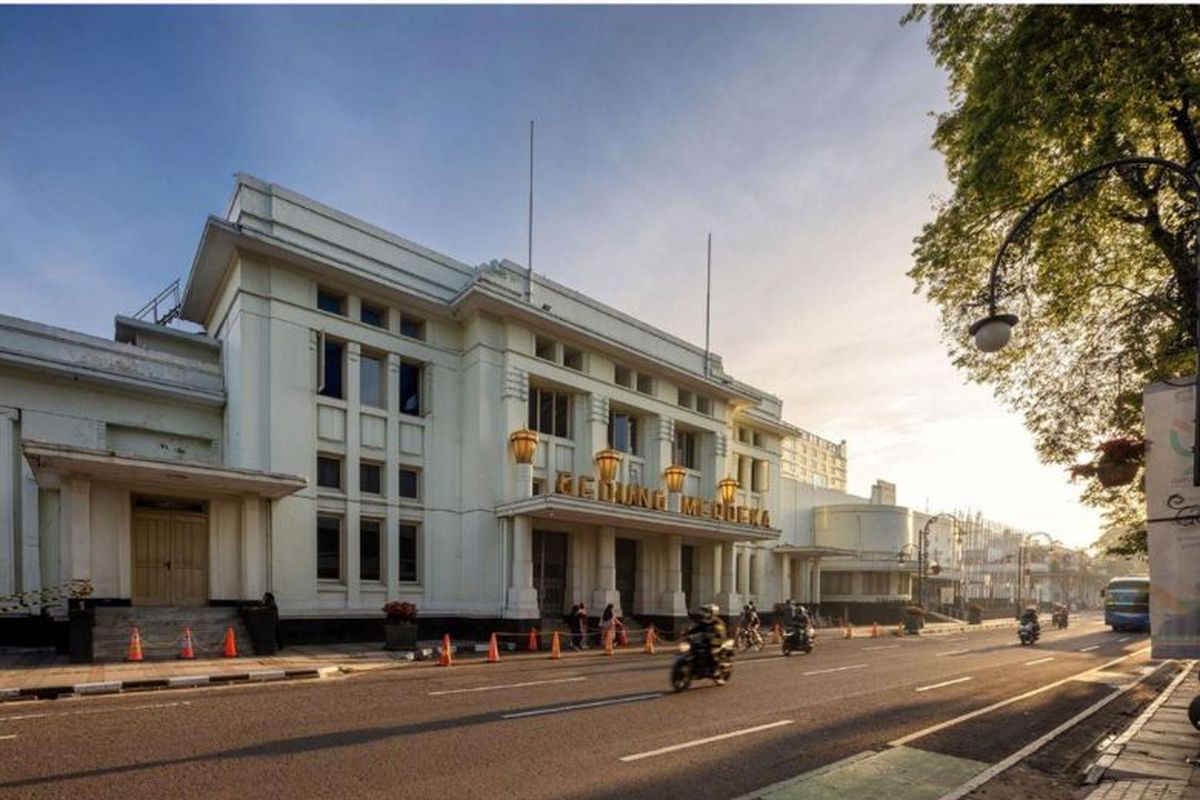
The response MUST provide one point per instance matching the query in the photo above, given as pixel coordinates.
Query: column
(743, 579)
(805, 581)
(727, 597)
(816, 581)
(8, 506)
(672, 602)
(759, 574)
(77, 522)
(350, 472)
(606, 570)
(31, 557)
(785, 577)
(253, 551)
(576, 553)
(522, 597)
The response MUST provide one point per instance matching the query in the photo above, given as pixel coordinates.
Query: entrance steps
(161, 630)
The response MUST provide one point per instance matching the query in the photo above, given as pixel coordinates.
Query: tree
(1105, 281)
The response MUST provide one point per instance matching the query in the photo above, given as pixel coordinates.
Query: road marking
(1086, 649)
(1039, 661)
(504, 686)
(956, 639)
(953, 652)
(836, 669)
(576, 706)
(1124, 639)
(708, 740)
(1008, 701)
(87, 711)
(7, 737)
(944, 683)
(881, 647)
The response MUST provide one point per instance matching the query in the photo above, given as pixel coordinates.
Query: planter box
(80, 637)
(400, 636)
(262, 624)
(975, 617)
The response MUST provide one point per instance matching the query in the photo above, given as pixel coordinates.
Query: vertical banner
(1173, 511)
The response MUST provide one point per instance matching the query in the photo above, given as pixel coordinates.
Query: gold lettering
(586, 487)
(716, 511)
(630, 497)
(659, 499)
(690, 506)
(755, 515)
(766, 519)
(643, 497)
(564, 483)
(603, 490)
(743, 515)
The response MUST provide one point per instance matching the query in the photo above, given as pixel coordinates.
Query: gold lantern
(674, 477)
(524, 445)
(607, 462)
(728, 488)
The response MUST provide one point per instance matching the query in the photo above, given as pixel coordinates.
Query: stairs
(161, 630)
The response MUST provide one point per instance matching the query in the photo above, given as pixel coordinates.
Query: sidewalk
(1155, 758)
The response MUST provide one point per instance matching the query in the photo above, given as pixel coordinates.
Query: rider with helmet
(712, 628)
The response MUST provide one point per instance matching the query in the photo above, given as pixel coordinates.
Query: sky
(798, 136)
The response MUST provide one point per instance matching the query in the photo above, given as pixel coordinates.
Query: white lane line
(1086, 649)
(88, 711)
(953, 652)
(1124, 639)
(504, 686)
(7, 737)
(944, 683)
(576, 706)
(1039, 661)
(708, 740)
(836, 669)
(956, 639)
(881, 647)
(903, 740)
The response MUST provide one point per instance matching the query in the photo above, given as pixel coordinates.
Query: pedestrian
(576, 630)
(583, 625)
(608, 624)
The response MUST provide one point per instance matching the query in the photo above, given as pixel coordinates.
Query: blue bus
(1127, 604)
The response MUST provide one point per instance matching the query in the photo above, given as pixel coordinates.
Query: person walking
(608, 624)
(573, 625)
(583, 625)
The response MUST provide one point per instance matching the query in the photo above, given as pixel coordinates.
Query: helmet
(709, 611)
(790, 601)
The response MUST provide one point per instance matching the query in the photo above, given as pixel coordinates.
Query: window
(412, 327)
(760, 475)
(332, 369)
(370, 478)
(333, 302)
(685, 449)
(685, 398)
(368, 550)
(876, 583)
(836, 583)
(539, 487)
(407, 562)
(410, 388)
(545, 348)
(623, 433)
(704, 404)
(757, 439)
(573, 358)
(622, 376)
(370, 381)
(645, 384)
(410, 483)
(329, 472)
(329, 548)
(373, 315)
(550, 412)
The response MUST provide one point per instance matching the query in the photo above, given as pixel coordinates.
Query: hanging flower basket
(1117, 464)
(1111, 475)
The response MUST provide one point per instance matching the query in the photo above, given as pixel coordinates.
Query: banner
(1173, 506)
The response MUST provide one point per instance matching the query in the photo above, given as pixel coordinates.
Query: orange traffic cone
(135, 646)
(187, 651)
(230, 646)
(776, 636)
(555, 654)
(849, 632)
(874, 630)
(533, 640)
(608, 642)
(493, 651)
(445, 659)
(899, 628)
(649, 646)
(624, 638)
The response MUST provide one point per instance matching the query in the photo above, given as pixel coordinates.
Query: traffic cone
(230, 647)
(135, 646)
(849, 632)
(445, 659)
(608, 642)
(775, 634)
(899, 628)
(187, 651)
(555, 654)
(624, 638)
(533, 640)
(649, 646)
(493, 651)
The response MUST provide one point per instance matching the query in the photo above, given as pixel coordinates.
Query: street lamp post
(922, 548)
(1023, 563)
(993, 332)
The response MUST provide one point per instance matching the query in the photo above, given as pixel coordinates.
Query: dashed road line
(944, 683)
(1087, 649)
(836, 669)
(576, 706)
(1124, 639)
(1039, 661)
(8, 737)
(953, 652)
(881, 647)
(707, 740)
(504, 686)
(87, 711)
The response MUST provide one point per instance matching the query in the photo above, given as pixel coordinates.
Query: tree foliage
(1104, 281)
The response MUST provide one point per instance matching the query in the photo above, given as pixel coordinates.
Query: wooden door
(170, 559)
(189, 560)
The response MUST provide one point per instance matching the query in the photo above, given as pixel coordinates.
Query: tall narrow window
(370, 381)
(407, 563)
(410, 483)
(329, 472)
(410, 388)
(331, 385)
(370, 478)
(368, 549)
(329, 548)
(623, 433)
(685, 449)
(550, 412)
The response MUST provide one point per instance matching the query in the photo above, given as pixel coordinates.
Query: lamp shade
(993, 332)
(728, 488)
(607, 462)
(524, 445)
(673, 475)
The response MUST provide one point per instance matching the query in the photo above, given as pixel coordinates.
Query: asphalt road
(580, 727)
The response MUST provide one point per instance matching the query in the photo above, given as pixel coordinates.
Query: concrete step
(161, 631)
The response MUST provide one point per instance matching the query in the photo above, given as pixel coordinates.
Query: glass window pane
(533, 409)
(546, 412)
(370, 478)
(331, 302)
(329, 472)
(410, 388)
(368, 550)
(407, 563)
(370, 386)
(409, 484)
(374, 316)
(562, 415)
(329, 548)
(333, 370)
(412, 327)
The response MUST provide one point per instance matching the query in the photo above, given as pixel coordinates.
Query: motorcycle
(693, 663)
(748, 637)
(797, 639)
(1060, 619)
(1027, 633)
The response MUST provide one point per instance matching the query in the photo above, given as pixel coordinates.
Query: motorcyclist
(751, 623)
(1030, 615)
(712, 628)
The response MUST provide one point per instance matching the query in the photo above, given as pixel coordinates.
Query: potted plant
(1117, 463)
(974, 614)
(400, 627)
(914, 619)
